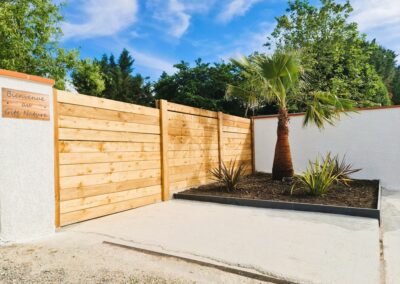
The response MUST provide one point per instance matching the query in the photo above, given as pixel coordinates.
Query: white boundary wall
(26, 169)
(369, 138)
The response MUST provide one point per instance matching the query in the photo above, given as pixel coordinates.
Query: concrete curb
(331, 209)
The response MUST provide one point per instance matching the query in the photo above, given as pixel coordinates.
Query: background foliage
(335, 56)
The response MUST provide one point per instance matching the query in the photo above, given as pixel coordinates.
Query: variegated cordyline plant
(279, 79)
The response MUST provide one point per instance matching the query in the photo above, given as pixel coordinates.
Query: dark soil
(359, 193)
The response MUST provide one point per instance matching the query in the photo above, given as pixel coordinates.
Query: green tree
(29, 33)
(120, 83)
(332, 51)
(279, 80)
(87, 78)
(384, 61)
(396, 86)
(202, 86)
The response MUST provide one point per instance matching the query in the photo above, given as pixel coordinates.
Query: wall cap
(27, 77)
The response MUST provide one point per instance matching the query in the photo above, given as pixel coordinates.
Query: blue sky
(160, 33)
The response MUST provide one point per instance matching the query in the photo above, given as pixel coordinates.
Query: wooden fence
(113, 156)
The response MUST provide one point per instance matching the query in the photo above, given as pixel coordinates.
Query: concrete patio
(297, 246)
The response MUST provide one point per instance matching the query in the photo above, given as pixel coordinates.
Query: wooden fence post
(163, 106)
(220, 137)
(56, 162)
(253, 158)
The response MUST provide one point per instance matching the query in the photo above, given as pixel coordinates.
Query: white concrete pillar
(26, 157)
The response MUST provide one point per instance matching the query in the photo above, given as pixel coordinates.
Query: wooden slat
(191, 110)
(182, 185)
(104, 199)
(81, 192)
(94, 212)
(97, 124)
(186, 147)
(111, 115)
(237, 135)
(190, 176)
(86, 158)
(239, 141)
(192, 118)
(193, 168)
(237, 130)
(102, 147)
(244, 157)
(99, 168)
(83, 100)
(191, 132)
(238, 152)
(191, 161)
(240, 145)
(98, 135)
(87, 180)
(236, 118)
(192, 140)
(236, 124)
(192, 154)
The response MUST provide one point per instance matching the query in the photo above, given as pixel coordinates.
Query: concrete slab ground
(70, 257)
(391, 235)
(298, 246)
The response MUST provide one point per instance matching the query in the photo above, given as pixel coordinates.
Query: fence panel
(109, 156)
(115, 156)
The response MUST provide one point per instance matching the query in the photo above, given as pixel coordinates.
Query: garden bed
(360, 198)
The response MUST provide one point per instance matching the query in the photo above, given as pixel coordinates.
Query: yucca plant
(343, 170)
(229, 175)
(318, 177)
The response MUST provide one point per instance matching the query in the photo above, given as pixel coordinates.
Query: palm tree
(274, 79)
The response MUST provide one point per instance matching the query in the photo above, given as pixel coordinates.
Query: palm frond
(325, 107)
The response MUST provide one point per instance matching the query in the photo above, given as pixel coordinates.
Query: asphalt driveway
(297, 246)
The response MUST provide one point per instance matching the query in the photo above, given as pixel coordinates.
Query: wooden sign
(25, 105)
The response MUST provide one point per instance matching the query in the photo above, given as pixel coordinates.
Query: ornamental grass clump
(318, 177)
(229, 175)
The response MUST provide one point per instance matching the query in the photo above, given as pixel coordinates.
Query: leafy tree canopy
(29, 30)
(384, 61)
(87, 78)
(333, 53)
(202, 85)
(113, 79)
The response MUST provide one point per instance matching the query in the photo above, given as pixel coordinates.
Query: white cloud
(249, 42)
(101, 18)
(152, 62)
(379, 19)
(235, 8)
(172, 13)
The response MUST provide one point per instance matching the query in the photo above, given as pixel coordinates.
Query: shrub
(343, 170)
(229, 175)
(318, 177)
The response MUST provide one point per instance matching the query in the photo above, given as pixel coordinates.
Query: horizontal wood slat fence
(113, 156)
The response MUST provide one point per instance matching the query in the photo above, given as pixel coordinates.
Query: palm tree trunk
(282, 166)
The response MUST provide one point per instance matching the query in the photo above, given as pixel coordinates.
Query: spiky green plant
(229, 175)
(318, 177)
(343, 169)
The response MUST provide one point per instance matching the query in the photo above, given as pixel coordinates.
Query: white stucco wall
(26, 170)
(370, 139)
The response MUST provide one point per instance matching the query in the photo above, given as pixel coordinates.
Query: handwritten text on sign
(21, 104)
